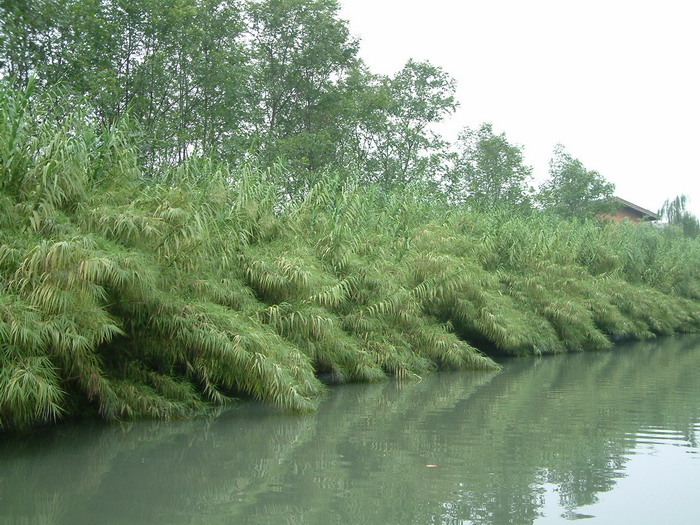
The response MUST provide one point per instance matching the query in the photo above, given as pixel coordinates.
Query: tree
(28, 36)
(399, 146)
(489, 171)
(275, 79)
(199, 63)
(178, 67)
(301, 52)
(674, 212)
(574, 191)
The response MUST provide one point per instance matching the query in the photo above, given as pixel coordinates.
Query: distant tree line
(276, 82)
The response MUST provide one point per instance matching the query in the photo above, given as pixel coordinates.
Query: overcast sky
(616, 81)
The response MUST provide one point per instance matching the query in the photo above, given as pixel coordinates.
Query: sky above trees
(613, 81)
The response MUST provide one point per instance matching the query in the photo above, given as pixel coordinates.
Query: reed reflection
(452, 448)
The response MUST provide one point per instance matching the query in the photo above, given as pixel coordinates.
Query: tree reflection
(497, 440)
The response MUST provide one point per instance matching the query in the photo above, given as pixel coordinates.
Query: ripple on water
(591, 436)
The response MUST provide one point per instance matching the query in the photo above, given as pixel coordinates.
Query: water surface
(610, 438)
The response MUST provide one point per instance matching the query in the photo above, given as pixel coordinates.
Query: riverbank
(126, 295)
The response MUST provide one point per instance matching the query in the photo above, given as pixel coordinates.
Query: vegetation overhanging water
(127, 295)
(613, 437)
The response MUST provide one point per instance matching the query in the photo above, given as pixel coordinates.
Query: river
(611, 438)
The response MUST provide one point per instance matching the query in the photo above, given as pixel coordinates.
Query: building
(632, 212)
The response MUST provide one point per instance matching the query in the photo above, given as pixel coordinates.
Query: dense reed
(131, 296)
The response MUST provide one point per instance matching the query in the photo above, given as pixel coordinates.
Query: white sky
(616, 81)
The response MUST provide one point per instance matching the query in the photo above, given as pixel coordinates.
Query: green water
(606, 437)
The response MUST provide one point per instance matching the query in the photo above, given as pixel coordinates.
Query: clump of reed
(129, 296)
(125, 295)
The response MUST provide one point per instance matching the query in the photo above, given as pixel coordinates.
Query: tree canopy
(674, 212)
(489, 171)
(277, 80)
(572, 190)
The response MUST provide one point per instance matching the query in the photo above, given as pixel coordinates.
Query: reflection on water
(595, 436)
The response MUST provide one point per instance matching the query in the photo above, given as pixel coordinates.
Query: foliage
(489, 172)
(574, 191)
(675, 214)
(127, 295)
(406, 149)
(301, 53)
(148, 298)
(274, 80)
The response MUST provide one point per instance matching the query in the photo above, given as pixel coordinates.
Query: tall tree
(489, 171)
(674, 212)
(301, 51)
(574, 191)
(28, 36)
(277, 79)
(401, 146)
(200, 62)
(177, 66)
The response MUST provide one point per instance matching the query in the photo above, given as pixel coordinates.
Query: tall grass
(131, 296)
